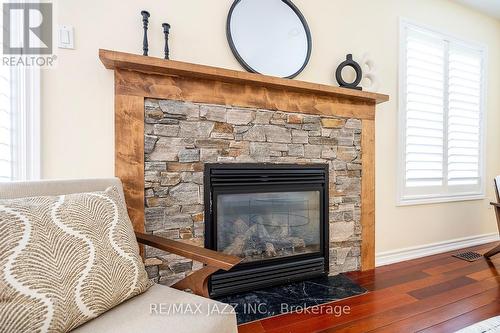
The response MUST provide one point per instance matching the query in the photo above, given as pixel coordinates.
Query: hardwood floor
(438, 293)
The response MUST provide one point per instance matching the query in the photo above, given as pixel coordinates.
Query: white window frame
(448, 196)
(25, 119)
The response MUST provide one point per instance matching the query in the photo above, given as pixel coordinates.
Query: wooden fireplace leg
(492, 252)
(197, 281)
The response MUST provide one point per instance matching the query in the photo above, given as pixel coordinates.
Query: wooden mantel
(139, 77)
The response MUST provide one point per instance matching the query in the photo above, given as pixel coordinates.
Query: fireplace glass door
(267, 225)
(272, 216)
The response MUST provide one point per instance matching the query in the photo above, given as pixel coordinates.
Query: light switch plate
(65, 37)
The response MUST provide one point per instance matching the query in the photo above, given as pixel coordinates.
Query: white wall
(77, 115)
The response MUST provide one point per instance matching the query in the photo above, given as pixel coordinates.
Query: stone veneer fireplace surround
(180, 137)
(292, 107)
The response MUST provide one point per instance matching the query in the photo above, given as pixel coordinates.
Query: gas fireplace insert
(273, 216)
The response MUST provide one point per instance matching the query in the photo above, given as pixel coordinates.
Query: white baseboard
(390, 257)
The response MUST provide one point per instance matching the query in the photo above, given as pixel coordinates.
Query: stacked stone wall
(181, 136)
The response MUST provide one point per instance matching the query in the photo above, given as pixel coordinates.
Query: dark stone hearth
(299, 295)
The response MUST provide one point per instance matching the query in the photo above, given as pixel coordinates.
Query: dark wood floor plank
(321, 322)
(485, 312)
(475, 266)
(439, 315)
(291, 318)
(418, 268)
(253, 327)
(420, 263)
(406, 311)
(386, 282)
(441, 287)
(434, 294)
(451, 266)
(492, 270)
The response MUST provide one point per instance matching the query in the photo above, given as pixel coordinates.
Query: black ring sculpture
(246, 65)
(357, 68)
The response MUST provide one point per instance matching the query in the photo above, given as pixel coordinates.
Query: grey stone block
(209, 154)
(187, 109)
(312, 151)
(192, 177)
(312, 127)
(166, 130)
(189, 155)
(155, 166)
(154, 218)
(178, 221)
(257, 134)
(299, 136)
(213, 113)
(277, 134)
(170, 178)
(311, 119)
(152, 176)
(167, 148)
(296, 150)
(263, 117)
(240, 116)
(149, 143)
(185, 193)
(341, 231)
(199, 130)
(353, 123)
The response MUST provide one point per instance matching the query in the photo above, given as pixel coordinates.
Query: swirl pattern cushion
(65, 260)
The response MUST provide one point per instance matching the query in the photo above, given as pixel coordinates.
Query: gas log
(260, 240)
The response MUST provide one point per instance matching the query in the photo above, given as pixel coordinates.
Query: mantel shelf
(127, 61)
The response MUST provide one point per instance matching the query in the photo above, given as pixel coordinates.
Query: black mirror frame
(247, 66)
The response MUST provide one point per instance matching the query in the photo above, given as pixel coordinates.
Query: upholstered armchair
(142, 312)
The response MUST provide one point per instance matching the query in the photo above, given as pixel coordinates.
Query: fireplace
(274, 216)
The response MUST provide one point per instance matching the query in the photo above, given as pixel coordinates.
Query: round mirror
(269, 37)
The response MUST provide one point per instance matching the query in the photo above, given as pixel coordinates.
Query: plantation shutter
(464, 116)
(5, 125)
(5, 120)
(441, 94)
(425, 90)
(19, 116)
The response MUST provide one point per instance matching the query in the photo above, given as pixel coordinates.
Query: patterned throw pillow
(65, 260)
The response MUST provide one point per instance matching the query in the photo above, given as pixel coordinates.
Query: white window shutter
(5, 125)
(464, 116)
(425, 110)
(441, 117)
(19, 120)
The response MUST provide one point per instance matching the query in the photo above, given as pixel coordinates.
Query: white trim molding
(391, 257)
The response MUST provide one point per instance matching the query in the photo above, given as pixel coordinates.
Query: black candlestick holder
(145, 22)
(166, 31)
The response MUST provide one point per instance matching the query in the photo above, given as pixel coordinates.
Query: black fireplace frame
(286, 178)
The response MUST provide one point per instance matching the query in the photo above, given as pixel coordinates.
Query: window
(19, 120)
(441, 117)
